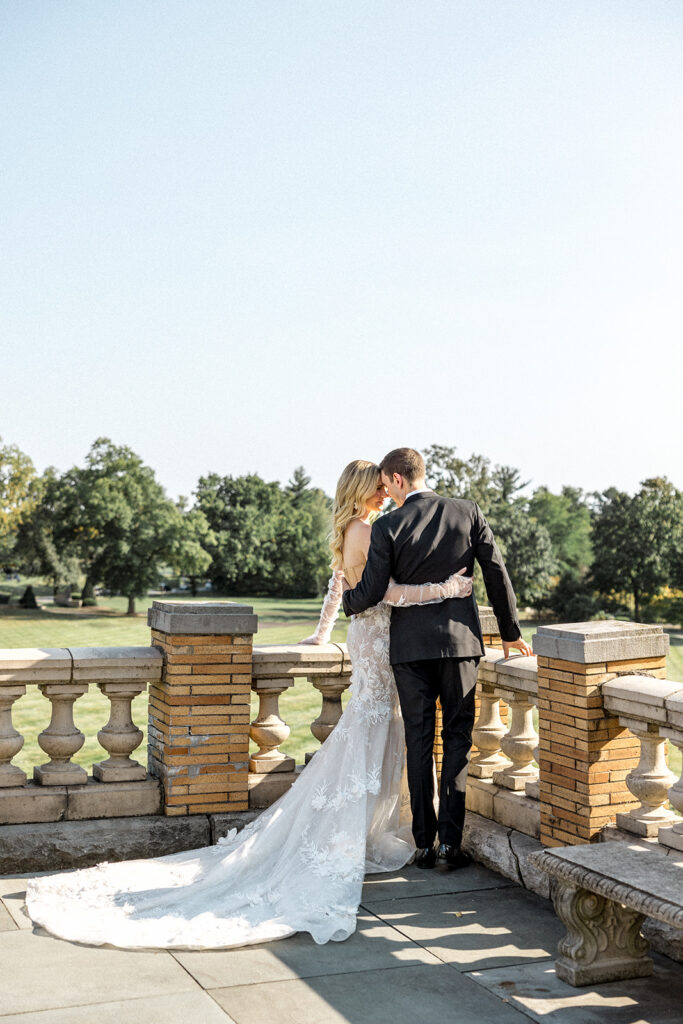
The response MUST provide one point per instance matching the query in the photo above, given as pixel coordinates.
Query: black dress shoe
(453, 857)
(425, 858)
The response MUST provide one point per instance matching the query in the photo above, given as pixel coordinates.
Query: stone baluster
(519, 742)
(11, 741)
(672, 835)
(649, 782)
(331, 690)
(120, 737)
(268, 730)
(487, 734)
(62, 739)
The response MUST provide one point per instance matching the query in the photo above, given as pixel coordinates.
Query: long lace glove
(329, 610)
(399, 595)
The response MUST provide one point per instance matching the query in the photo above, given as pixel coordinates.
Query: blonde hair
(355, 486)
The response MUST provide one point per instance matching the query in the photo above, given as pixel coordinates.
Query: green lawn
(280, 621)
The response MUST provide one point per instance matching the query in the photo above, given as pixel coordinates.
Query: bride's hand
(458, 585)
(310, 640)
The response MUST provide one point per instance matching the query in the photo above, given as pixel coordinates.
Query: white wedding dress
(298, 867)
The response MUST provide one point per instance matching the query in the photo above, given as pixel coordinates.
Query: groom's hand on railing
(520, 645)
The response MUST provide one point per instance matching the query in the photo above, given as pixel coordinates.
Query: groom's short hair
(406, 462)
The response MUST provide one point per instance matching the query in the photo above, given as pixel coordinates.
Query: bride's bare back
(355, 550)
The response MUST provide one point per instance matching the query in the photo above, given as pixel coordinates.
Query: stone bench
(602, 893)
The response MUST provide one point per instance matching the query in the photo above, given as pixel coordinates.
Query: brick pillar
(585, 755)
(489, 627)
(199, 711)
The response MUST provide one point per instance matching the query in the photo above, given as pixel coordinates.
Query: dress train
(298, 867)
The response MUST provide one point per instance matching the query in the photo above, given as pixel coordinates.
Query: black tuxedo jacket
(425, 541)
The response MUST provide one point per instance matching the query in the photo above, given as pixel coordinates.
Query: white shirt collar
(420, 490)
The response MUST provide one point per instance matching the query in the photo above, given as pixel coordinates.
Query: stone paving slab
(40, 972)
(13, 901)
(7, 923)
(179, 1008)
(412, 881)
(9, 883)
(412, 995)
(474, 930)
(535, 990)
(412, 960)
(374, 946)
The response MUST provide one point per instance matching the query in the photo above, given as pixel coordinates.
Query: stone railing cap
(116, 654)
(35, 665)
(643, 689)
(202, 618)
(275, 660)
(492, 655)
(122, 664)
(587, 643)
(298, 652)
(518, 665)
(30, 657)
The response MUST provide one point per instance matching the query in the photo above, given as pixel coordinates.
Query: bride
(300, 865)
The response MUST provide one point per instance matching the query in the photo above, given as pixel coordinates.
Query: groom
(435, 649)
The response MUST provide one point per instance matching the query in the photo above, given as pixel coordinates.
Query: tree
(506, 482)
(573, 599)
(567, 518)
(303, 552)
(117, 520)
(635, 540)
(524, 543)
(298, 487)
(40, 550)
(528, 554)
(191, 557)
(454, 477)
(242, 513)
(268, 540)
(16, 498)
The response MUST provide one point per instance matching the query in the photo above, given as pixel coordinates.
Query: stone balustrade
(60, 788)
(599, 758)
(596, 690)
(652, 710)
(274, 670)
(503, 774)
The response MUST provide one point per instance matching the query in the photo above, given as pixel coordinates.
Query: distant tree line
(109, 523)
(577, 556)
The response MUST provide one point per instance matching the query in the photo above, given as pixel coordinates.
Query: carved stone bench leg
(603, 940)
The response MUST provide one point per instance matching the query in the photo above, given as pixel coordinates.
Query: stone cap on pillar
(202, 618)
(588, 643)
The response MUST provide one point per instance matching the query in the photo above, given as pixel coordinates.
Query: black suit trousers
(419, 683)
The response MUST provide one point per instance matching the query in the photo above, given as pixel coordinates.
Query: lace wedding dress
(300, 865)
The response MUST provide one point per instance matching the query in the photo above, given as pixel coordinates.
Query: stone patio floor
(463, 947)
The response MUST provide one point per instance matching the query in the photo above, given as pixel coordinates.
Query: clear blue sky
(242, 236)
